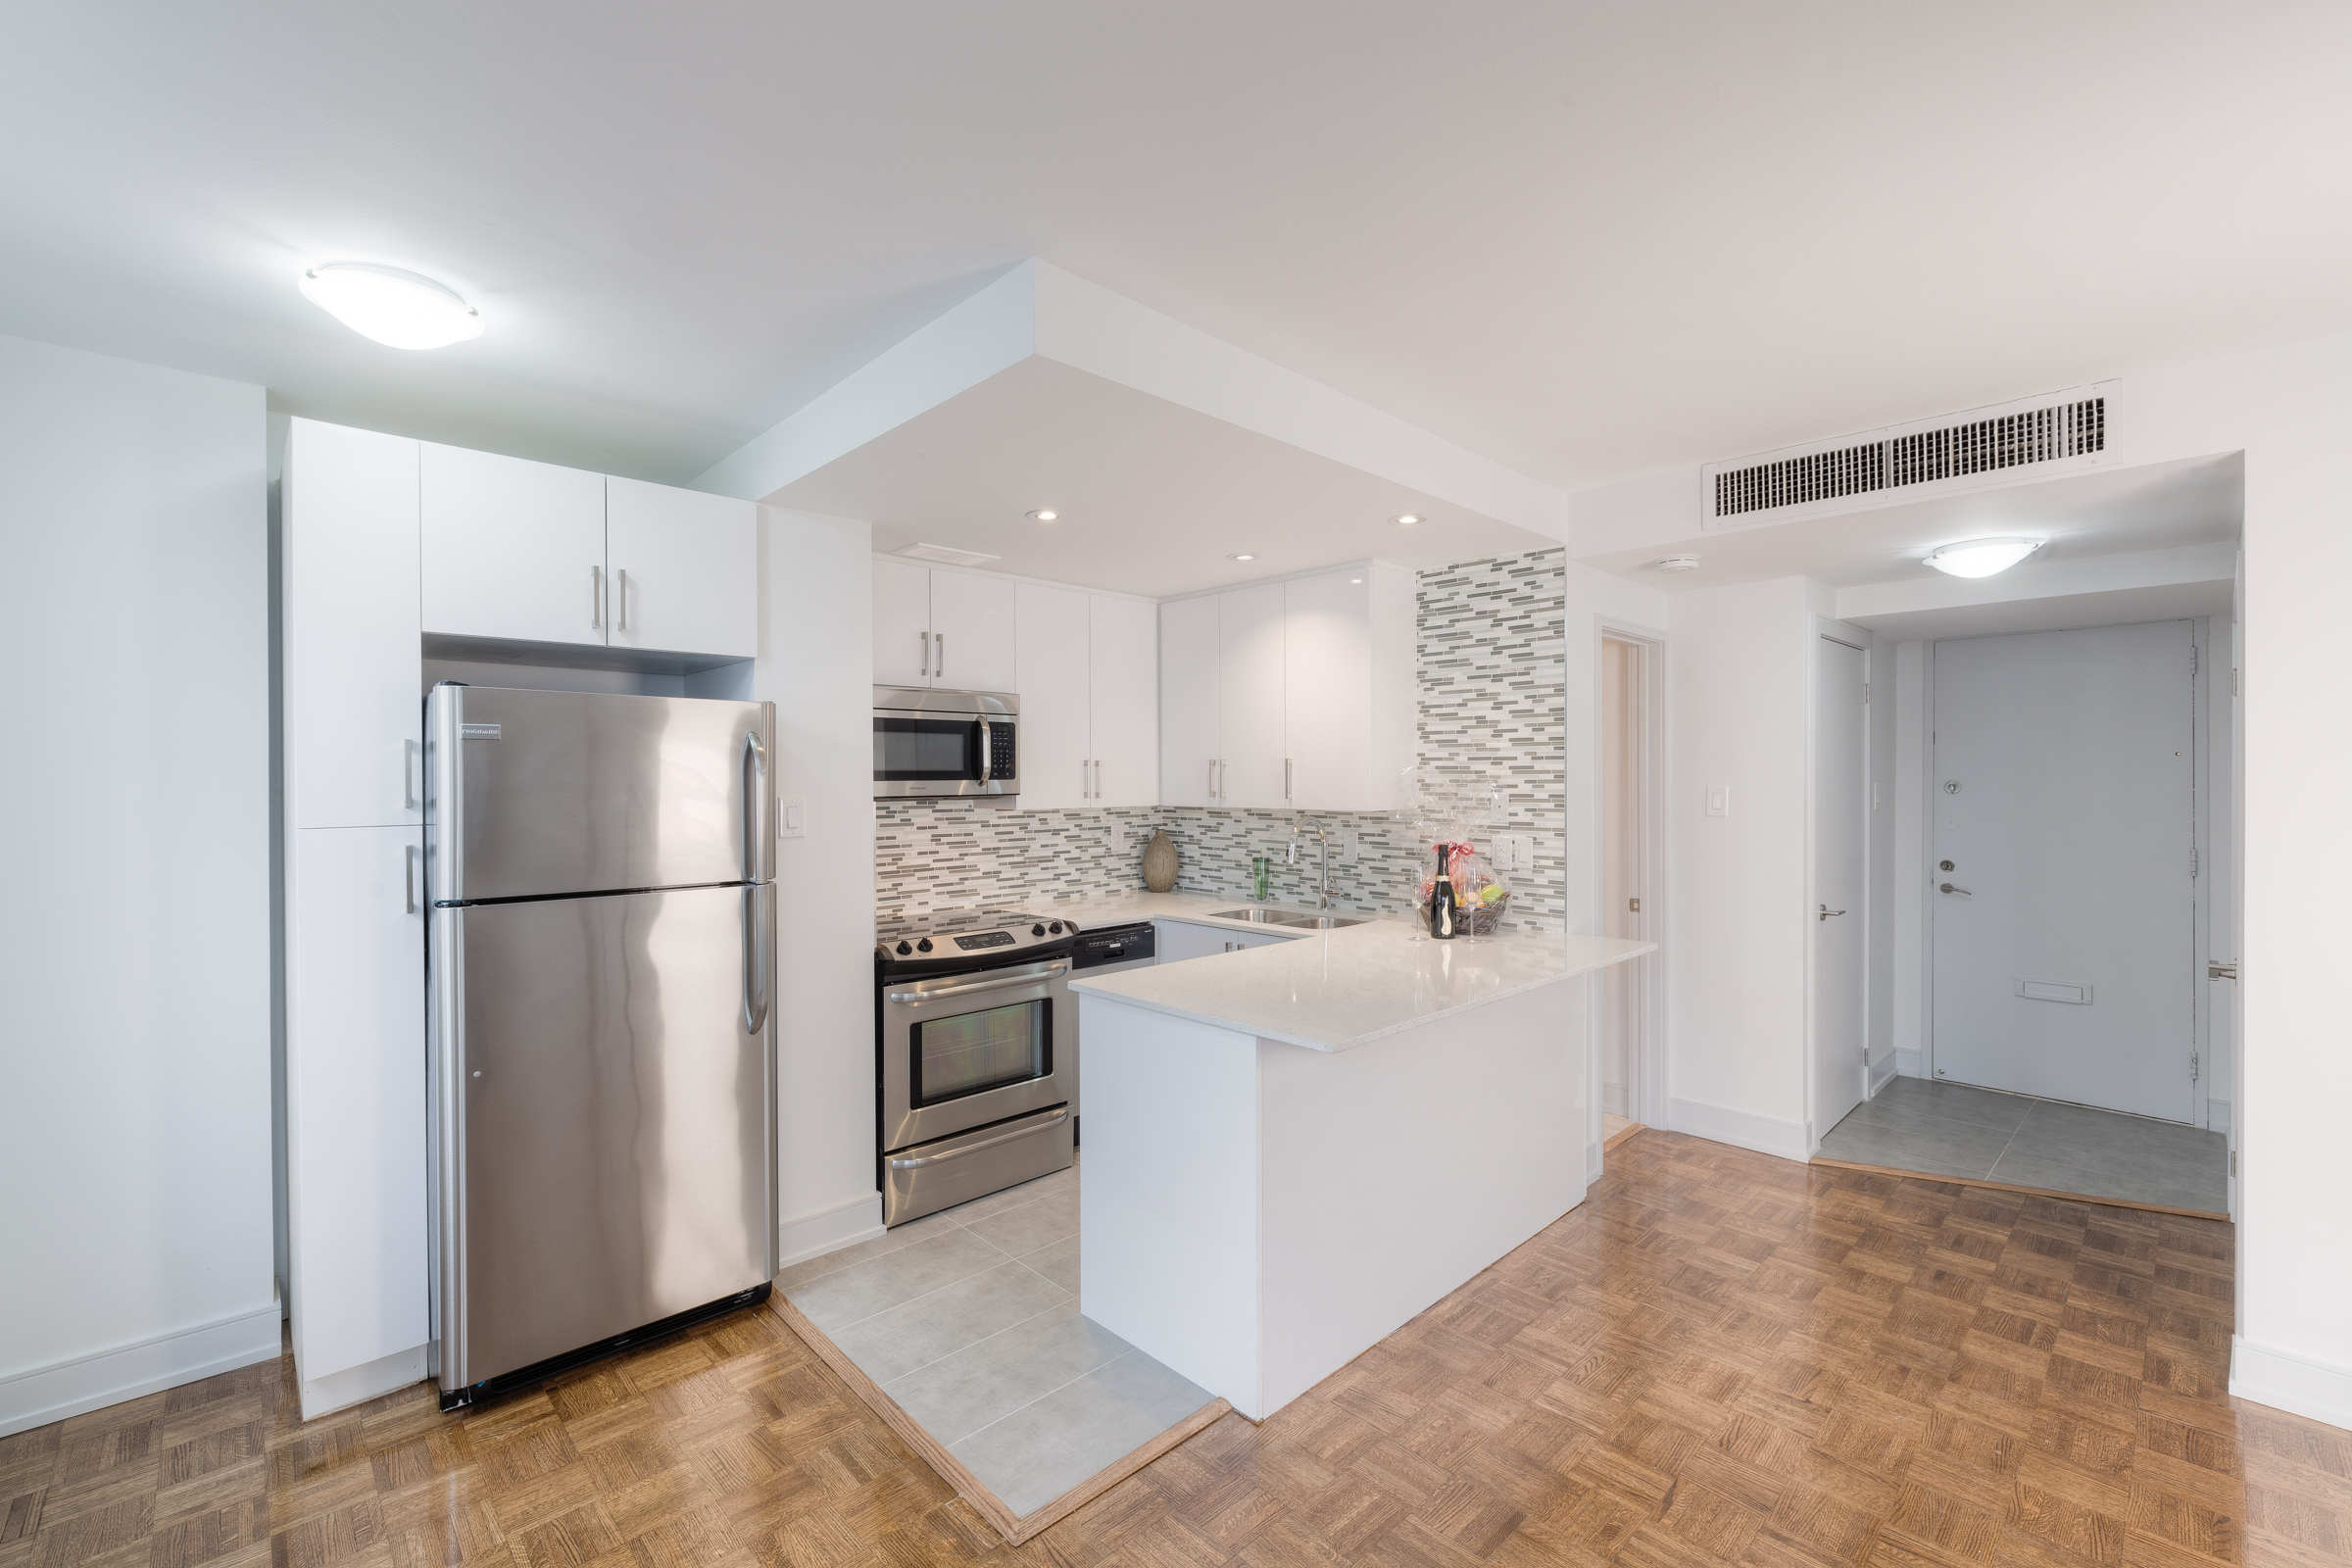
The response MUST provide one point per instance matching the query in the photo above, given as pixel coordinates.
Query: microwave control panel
(1000, 752)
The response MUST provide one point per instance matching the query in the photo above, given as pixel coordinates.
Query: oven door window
(925, 751)
(976, 1052)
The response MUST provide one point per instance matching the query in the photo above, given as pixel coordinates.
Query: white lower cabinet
(1179, 939)
(355, 1152)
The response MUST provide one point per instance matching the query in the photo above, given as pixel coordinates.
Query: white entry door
(2064, 826)
(1841, 993)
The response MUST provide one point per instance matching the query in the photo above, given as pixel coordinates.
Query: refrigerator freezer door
(610, 1165)
(549, 793)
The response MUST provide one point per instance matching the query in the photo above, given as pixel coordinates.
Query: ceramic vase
(1159, 861)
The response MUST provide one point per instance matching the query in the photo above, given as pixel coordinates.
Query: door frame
(2210, 663)
(1826, 629)
(1645, 1016)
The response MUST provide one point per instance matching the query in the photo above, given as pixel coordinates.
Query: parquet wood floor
(1720, 1358)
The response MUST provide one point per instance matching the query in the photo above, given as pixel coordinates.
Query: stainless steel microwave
(934, 744)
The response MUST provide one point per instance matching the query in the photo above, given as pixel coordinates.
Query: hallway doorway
(1631, 772)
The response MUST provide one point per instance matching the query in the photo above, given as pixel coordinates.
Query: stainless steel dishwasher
(1107, 952)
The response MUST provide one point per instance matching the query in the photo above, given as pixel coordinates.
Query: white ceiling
(1585, 239)
(2110, 511)
(1149, 498)
(2120, 606)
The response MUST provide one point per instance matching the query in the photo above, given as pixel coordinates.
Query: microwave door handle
(980, 724)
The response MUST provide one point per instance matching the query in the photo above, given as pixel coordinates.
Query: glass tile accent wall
(1488, 641)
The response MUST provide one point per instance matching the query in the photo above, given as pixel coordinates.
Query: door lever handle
(1948, 888)
(1827, 911)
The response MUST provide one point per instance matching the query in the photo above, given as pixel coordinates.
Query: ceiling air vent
(2056, 432)
(945, 555)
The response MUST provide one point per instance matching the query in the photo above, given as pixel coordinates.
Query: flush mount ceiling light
(399, 309)
(1045, 514)
(1244, 555)
(1408, 519)
(1676, 564)
(1982, 558)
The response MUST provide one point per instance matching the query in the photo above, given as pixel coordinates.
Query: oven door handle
(964, 987)
(921, 1160)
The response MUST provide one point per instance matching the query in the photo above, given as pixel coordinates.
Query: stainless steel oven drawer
(929, 1177)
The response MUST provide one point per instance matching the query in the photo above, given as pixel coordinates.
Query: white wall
(134, 848)
(1738, 688)
(816, 666)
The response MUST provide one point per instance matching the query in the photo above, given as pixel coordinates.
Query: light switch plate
(1514, 852)
(1719, 799)
(792, 819)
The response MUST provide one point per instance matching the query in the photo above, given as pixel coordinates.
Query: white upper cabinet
(354, 755)
(1056, 746)
(682, 569)
(1296, 694)
(1188, 701)
(974, 634)
(902, 624)
(1124, 664)
(512, 548)
(1250, 769)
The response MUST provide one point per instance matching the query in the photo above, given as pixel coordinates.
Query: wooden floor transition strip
(1015, 1529)
(1619, 1136)
(2012, 1187)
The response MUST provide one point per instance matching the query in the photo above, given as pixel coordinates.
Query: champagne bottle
(1445, 910)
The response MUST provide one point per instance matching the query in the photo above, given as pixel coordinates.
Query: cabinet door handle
(1212, 778)
(1288, 791)
(940, 663)
(409, 751)
(926, 655)
(596, 596)
(620, 592)
(408, 869)
(1221, 765)
(1098, 778)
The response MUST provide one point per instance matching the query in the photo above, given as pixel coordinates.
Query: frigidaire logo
(478, 732)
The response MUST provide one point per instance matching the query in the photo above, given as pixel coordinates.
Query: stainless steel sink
(1255, 916)
(1297, 923)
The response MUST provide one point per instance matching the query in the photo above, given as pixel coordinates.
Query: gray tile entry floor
(969, 1319)
(1951, 1130)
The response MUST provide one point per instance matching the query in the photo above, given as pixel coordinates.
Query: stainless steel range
(975, 1055)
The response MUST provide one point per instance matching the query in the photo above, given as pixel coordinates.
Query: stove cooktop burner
(967, 935)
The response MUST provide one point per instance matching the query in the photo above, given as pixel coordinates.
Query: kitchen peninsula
(1292, 1149)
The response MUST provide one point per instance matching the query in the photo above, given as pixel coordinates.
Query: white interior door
(1839, 918)
(2064, 822)
(1055, 760)
(1249, 696)
(1124, 642)
(1620, 864)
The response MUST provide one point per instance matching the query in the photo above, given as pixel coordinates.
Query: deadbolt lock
(1945, 865)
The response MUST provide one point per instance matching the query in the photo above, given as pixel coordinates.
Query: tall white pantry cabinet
(385, 542)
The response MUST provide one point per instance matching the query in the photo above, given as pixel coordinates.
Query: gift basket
(1446, 816)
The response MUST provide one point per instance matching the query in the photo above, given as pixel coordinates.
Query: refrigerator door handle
(755, 957)
(758, 830)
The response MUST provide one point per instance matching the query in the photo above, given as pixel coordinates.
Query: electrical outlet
(1514, 852)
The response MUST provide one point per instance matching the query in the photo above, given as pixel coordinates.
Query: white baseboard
(2287, 1381)
(1908, 1065)
(1612, 1098)
(1743, 1129)
(828, 1230)
(2218, 1115)
(357, 1385)
(1881, 1074)
(49, 1393)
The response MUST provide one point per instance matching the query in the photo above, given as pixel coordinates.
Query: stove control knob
(1037, 930)
(924, 945)
(904, 950)
(1058, 928)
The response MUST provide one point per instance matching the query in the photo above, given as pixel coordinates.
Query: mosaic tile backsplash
(1488, 646)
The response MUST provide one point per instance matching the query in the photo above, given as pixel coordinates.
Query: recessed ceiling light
(1982, 558)
(1045, 514)
(1408, 519)
(1244, 555)
(1355, 580)
(399, 309)
(1676, 564)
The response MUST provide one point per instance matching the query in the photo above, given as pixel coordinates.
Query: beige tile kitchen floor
(969, 1319)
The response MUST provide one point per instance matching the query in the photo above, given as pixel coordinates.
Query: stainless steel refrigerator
(601, 1051)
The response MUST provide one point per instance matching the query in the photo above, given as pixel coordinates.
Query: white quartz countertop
(1336, 990)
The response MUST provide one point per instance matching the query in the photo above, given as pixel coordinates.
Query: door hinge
(2193, 1066)
(1866, 694)
(2233, 693)
(1634, 904)
(2192, 658)
(2233, 1162)
(2193, 865)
